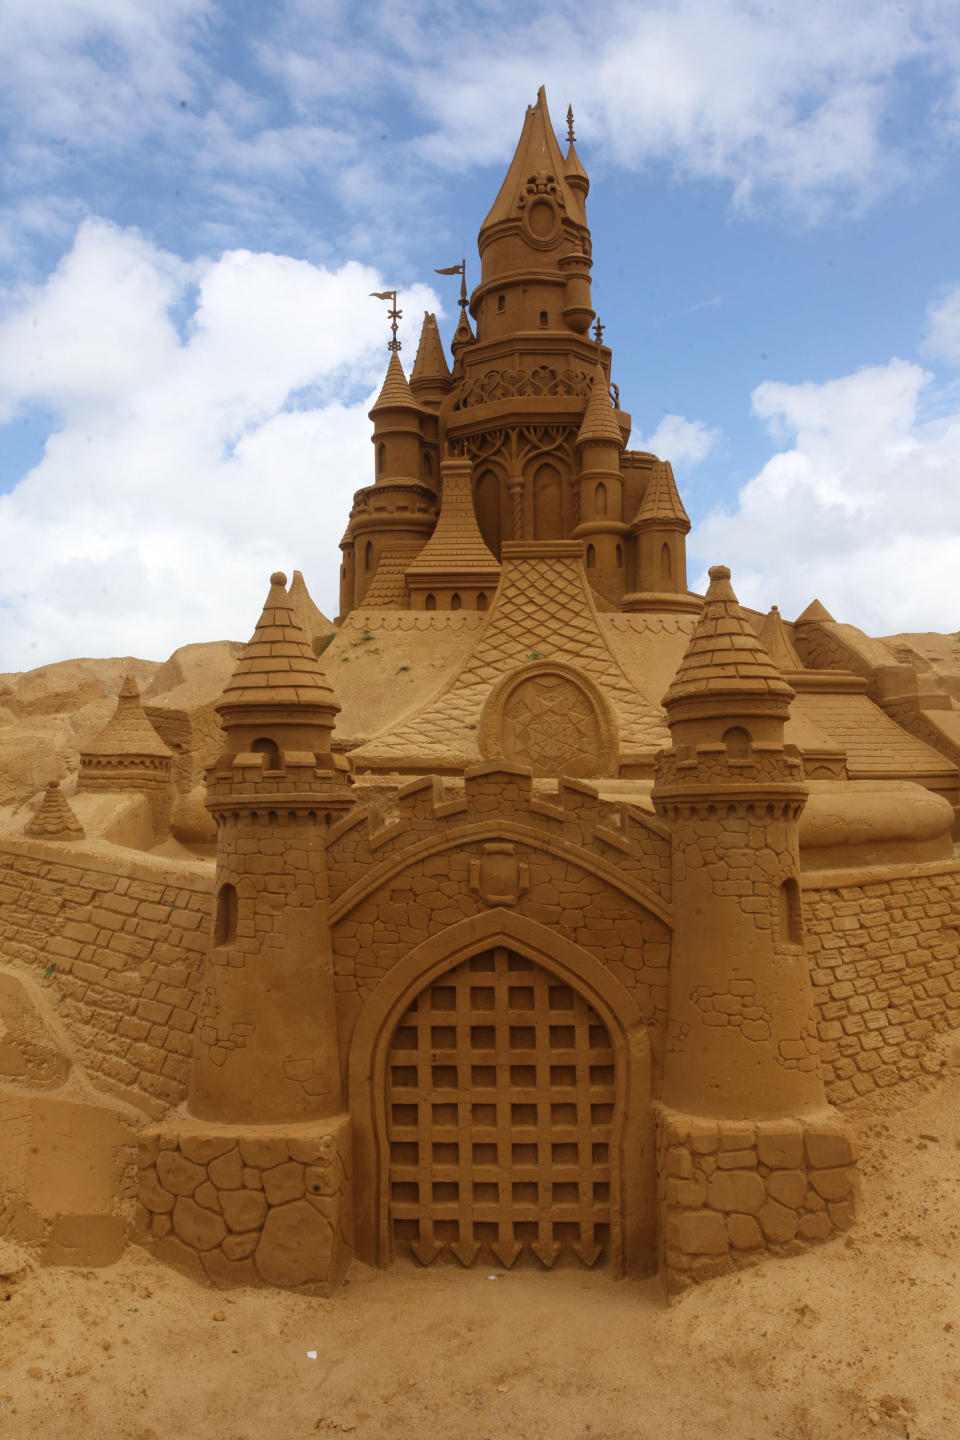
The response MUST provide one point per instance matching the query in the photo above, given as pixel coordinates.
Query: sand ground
(860, 1338)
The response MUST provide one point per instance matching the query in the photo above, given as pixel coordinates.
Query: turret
(601, 528)
(660, 527)
(266, 1043)
(128, 755)
(455, 570)
(741, 1070)
(430, 379)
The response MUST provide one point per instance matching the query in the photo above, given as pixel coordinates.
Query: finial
(719, 572)
(598, 330)
(460, 270)
(278, 578)
(570, 135)
(394, 314)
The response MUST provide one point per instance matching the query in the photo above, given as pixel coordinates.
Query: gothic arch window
(381, 457)
(487, 506)
(600, 499)
(225, 926)
(426, 466)
(368, 555)
(430, 603)
(547, 503)
(501, 304)
(666, 562)
(455, 602)
(481, 601)
(544, 319)
(591, 557)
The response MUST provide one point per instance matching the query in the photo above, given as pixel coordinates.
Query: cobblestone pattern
(123, 950)
(248, 1207)
(731, 1191)
(885, 964)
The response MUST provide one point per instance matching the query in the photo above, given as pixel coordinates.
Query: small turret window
(430, 603)
(270, 750)
(381, 457)
(368, 555)
(481, 601)
(455, 601)
(600, 499)
(666, 562)
(501, 304)
(619, 556)
(739, 743)
(426, 466)
(790, 913)
(591, 557)
(544, 319)
(225, 926)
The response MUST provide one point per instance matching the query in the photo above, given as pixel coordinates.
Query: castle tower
(454, 570)
(398, 511)
(601, 527)
(661, 526)
(251, 1185)
(741, 1072)
(128, 755)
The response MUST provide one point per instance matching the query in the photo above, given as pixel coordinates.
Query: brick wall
(120, 941)
(884, 947)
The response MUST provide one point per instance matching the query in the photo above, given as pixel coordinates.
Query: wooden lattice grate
(500, 1108)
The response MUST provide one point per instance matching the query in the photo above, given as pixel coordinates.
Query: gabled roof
(278, 666)
(537, 152)
(599, 419)
(661, 500)
(128, 732)
(724, 656)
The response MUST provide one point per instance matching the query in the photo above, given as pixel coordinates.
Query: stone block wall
(884, 956)
(732, 1190)
(262, 1205)
(121, 938)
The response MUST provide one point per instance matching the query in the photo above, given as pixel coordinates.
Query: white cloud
(860, 508)
(943, 331)
(189, 462)
(682, 442)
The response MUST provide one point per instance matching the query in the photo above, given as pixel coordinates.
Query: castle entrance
(502, 1125)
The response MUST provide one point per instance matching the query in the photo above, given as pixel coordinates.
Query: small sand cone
(54, 820)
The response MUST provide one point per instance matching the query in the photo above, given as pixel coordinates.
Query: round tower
(601, 528)
(128, 755)
(745, 1131)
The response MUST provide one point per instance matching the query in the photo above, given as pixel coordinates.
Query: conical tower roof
(661, 503)
(456, 547)
(599, 418)
(310, 619)
(278, 666)
(430, 376)
(54, 819)
(578, 181)
(128, 732)
(537, 152)
(725, 657)
(777, 643)
(395, 392)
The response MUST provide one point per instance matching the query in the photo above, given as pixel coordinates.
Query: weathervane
(394, 314)
(570, 135)
(460, 270)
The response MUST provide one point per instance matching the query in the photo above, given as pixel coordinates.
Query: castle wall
(883, 945)
(125, 935)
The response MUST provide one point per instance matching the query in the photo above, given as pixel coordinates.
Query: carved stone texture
(551, 718)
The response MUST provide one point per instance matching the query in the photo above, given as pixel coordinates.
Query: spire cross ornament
(460, 270)
(598, 330)
(570, 135)
(394, 314)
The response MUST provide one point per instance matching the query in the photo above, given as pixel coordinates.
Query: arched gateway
(506, 1106)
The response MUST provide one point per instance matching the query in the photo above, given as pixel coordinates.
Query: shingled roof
(456, 546)
(661, 500)
(725, 656)
(128, 731)
(278, 666)
(54, 819)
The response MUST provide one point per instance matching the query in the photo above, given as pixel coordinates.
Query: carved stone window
(552, 718)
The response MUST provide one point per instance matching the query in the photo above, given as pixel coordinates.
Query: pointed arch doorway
(509, 1108)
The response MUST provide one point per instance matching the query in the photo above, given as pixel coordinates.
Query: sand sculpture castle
(556, 912)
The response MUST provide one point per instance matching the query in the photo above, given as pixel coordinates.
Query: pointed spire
(310, 619)
(599, 419)
(395, 393)
(430, 378)
(463, 336)
(661, 503)
(537, 153)
(54, 819)
(777, 642)
(128, 732)
(815, 613)
(725, 657)
(456, 548)
(278, 666)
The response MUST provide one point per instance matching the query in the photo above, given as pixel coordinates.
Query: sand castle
(540, 912)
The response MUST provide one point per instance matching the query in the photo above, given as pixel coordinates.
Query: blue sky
(197, 196)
